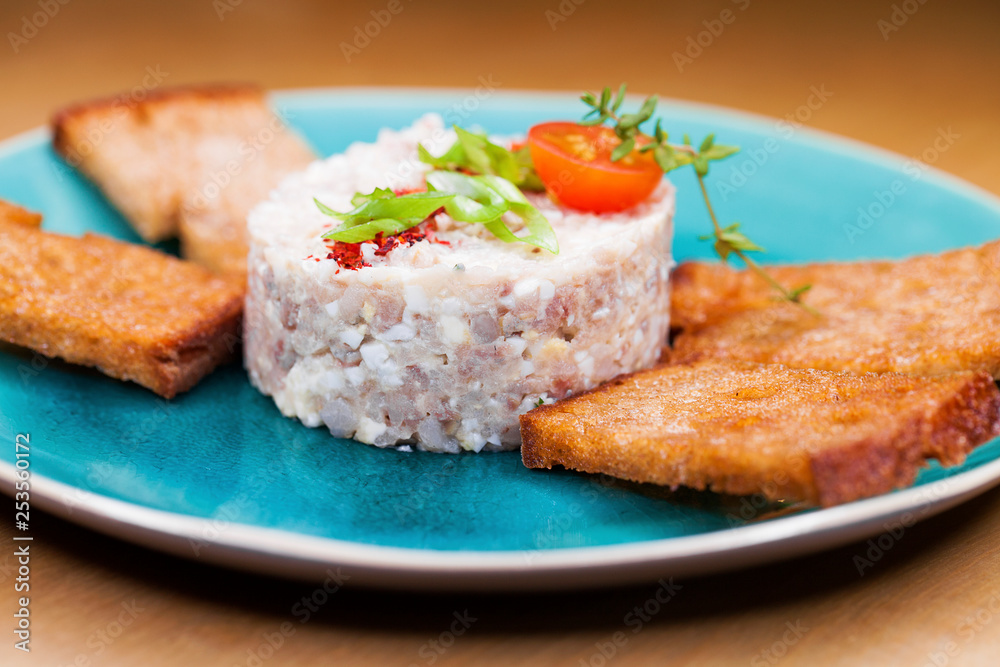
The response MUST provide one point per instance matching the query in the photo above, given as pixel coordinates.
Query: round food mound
(445, 341)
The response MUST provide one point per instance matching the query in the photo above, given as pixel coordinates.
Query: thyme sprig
(627, 127)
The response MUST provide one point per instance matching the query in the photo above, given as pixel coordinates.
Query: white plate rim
(283, 553)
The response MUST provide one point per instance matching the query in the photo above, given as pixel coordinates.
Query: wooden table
(895, 79)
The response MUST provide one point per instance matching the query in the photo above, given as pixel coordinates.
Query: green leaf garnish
(797, 292)
(326, 210)
(475, 153)
(627, 127)
(700, 165)
(619, 98)
(730, 239)
(381, 213)
(658, 132)
(378, 193)
(485, 199)
(719, 152)
(622, 149)
(737, 240)
(367, 231)
(481, 200)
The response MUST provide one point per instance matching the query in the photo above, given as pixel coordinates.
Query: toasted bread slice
(929, 315)
(134, 313)
(742, 428)
(213, 230)
(14, 213)
(189, 161)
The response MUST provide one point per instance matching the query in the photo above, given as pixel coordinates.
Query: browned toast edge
(168, 94)
(178, 366)
(168, 366)
(870, 467)
(857, 470)
(11, 212)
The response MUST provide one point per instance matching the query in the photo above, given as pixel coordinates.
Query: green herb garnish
(382, 212)
(627, 127)
(475, 153)
(483, 199)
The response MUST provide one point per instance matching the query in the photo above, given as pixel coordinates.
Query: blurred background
(896, 71)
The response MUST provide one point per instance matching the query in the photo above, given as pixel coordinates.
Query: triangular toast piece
(191, 161)
(133, 312)
(929, 315)
(743, 428)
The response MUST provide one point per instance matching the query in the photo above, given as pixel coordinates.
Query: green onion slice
(473, 199)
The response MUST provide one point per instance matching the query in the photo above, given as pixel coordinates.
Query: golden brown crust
(928, 315)
(63, 119)
(698, 289)
(742, 428)
(13, 213)
(188, 161)
(134, 313)
(203, 245)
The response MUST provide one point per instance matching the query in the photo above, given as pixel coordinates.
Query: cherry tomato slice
(574, 163)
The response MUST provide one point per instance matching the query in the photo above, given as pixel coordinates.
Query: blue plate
(219, 474)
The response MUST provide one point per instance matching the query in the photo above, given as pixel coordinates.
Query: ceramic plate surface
(218, 474)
